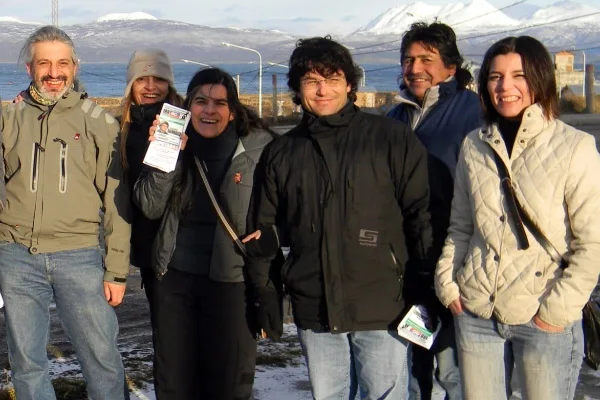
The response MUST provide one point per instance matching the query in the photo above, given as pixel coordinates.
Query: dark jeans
(204, 348)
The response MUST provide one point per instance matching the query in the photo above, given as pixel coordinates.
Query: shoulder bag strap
(511, 200)
(521, 218)
(219, 210)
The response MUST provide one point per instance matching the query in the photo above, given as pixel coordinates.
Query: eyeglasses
(334, 81)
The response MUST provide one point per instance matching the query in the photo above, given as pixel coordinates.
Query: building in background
(566, 74)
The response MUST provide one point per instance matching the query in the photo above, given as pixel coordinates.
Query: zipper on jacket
(398, 272)
(37, 149)
(62, 165)
(312, 226)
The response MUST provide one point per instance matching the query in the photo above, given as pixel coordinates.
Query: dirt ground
(136, 348)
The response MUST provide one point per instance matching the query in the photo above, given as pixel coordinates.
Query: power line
(398, 40)
(497, 32)
(383, 68)
(83, 72)
(461, 22)
(530, 26)
(555, 50)
(490, 12)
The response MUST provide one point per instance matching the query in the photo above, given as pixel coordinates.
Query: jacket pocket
(12, 163)
(62, 165)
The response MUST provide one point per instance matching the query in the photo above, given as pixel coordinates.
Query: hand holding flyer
(412, 327)
(163, 151)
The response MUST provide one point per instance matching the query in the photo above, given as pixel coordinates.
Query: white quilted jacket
(556, 174)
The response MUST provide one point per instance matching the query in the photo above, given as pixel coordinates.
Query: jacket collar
(145, 113)
(69, 100)
(533, 123)
(254, 140)
(318, 124)
(432, 95)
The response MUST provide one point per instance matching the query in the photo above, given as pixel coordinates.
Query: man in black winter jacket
(348, 192)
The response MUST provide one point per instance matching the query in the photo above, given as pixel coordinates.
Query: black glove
(268, 309)
(267, 245)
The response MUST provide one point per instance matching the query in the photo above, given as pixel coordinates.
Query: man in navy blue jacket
(435, 102)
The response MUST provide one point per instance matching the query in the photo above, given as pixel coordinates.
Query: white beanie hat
(149, 62)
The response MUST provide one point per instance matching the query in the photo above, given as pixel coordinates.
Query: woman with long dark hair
(521, 257)
(205, 347)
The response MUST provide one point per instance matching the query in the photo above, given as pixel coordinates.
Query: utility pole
(55, 12)
(588, 88)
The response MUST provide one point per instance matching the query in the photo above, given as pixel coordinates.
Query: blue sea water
(109, 80)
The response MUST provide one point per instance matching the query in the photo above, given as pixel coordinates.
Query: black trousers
(204, 347)
(148, 282)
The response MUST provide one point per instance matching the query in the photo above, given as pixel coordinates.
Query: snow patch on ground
(281, 372)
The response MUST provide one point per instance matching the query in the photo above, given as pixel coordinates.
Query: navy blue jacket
(442, 130)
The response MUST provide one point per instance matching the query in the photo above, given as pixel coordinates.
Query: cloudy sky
(299, 16)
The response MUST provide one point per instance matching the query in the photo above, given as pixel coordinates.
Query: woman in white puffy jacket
(513, 304)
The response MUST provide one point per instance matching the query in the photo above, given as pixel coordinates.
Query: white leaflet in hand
(412, 327)
(164, 150)
(1, 301)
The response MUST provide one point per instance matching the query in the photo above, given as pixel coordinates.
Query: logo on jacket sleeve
(367, 237)
(237, 178)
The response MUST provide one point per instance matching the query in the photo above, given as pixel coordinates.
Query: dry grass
(573, 104)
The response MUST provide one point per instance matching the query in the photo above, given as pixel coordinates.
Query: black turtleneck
(508, 129)
(195, 236)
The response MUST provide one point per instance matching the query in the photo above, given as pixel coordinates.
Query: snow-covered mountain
(567, 9)
(114, 37)
(521, 11)
(478, 15)
(136, 16)
(477, 23)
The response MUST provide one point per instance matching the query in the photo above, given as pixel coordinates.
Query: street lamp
(259, 72)
(195, 62)
(363, 80)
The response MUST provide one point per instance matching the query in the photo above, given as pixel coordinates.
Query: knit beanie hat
(149, 62)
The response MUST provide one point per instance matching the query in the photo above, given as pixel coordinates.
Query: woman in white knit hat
(149, 86)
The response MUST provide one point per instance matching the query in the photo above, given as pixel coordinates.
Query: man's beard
(52, 95)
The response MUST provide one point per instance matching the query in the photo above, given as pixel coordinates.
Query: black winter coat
(349, 193)
(143, 230)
